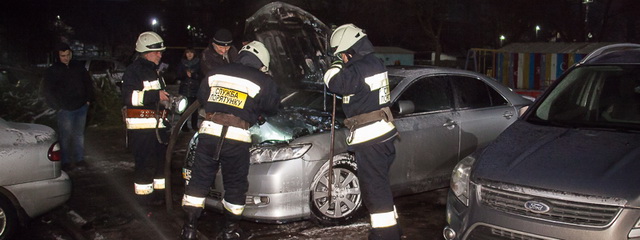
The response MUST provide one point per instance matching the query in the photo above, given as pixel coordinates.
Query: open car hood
(297, 42)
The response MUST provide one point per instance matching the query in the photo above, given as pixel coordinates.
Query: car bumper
(278, 192)
(481, 222)
(39, 197)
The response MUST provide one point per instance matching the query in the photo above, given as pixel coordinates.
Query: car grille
(577, 213)
(491, 233)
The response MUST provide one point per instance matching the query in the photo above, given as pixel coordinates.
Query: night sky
(29, 28)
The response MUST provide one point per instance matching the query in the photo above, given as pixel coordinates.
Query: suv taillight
(54, 152)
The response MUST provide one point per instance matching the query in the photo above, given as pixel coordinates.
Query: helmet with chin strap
(149, 42)
(344, 37)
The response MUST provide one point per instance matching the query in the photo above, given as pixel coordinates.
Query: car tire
(8, 219)
(346, 193)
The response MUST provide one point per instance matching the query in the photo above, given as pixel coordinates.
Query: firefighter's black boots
(232, 228)
(189, 229)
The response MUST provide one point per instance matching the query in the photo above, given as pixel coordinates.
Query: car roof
(622, 53)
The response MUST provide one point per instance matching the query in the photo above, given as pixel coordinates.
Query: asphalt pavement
(102, 205)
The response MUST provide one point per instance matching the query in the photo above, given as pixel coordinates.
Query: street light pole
(586, 19)
(502, 38)
(537, 29)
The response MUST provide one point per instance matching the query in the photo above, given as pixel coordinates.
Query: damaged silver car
(441, 114)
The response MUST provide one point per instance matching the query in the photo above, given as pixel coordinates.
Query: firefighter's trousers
(374, 162)
(149, 155)
(233, 161)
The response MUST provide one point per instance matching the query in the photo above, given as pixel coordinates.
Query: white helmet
(258, 49)
(344, 37)
(148, 42)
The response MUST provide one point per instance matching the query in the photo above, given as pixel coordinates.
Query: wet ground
(102, 205)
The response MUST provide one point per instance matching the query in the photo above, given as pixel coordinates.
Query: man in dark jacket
(361, 78)
(233, 96)
(220, 52)
(68, 88)
(143, 91)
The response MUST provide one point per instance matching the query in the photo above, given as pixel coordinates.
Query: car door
(428, 137)
(484, 113)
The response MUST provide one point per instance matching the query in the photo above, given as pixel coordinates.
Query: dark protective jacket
(364, 85)
(189, 85)
(67, 87)
(141, 84)
(240, 90)
(211, 59)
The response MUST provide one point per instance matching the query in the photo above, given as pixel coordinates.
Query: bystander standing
(188, 73)
(220, 52)
(68, 88)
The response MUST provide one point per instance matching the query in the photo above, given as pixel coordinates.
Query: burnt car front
(289, 149)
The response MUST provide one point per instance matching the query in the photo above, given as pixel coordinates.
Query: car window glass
(429, 94)
(474, 93)
(595, 96)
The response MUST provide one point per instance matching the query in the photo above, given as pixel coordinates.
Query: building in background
(529, 68)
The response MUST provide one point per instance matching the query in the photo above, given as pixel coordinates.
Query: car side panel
(23, 153)
(39, 197)
(481, 126)
(425, 149)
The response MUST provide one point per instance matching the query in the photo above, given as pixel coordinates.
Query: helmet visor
(159, 45)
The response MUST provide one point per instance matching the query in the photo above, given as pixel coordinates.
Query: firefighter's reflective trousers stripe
(233, 163)
(149, 155)
(191, 201)
(235, 209)
(374, 162)
(146, 189)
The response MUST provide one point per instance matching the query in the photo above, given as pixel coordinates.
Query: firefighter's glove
(335, 68)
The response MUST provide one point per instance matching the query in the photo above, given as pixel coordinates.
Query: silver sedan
(31, 179)
(442, 116)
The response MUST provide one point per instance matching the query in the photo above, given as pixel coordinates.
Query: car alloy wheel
(8, 219)
(346, 199)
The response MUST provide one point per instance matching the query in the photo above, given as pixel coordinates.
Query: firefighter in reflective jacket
(143, 90)
(233, 96)
(361, 78)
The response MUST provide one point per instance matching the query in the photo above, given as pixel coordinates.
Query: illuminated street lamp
(154, 23)
(502, 38)
(537, 29)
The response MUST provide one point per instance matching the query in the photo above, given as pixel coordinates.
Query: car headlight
(273, 153)
(460, 179)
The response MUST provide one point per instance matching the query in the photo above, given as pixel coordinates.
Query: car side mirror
(404, 107)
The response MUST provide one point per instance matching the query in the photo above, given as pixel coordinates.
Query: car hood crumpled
(297, 42)
(597, 163)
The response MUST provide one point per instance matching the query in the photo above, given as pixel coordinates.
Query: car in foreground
(31, 179)
(568, 169)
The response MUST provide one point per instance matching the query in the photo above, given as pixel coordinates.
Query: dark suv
(568, 169)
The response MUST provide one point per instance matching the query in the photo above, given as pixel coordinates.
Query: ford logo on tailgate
(537, 206)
